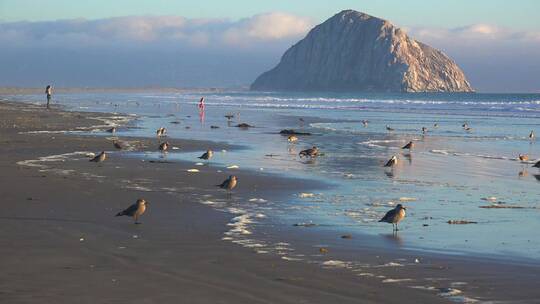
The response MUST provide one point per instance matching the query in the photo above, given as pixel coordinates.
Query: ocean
(450, 175)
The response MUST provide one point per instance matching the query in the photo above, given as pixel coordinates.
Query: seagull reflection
(393, 238)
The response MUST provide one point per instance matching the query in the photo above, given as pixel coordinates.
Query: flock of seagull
(394, 216)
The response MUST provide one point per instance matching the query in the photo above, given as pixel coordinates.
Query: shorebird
(100, 157)
(112, 130)
(292, 138)
(365, 123)
(207, 155)
(435, 125)
(164, 146)
(523, 157)
(531, 135)
(311, 152)
(388, 128)
(392, 161)
(119, 144)
(135, 210)
(424, 130)
(465, 125)
(229, 183)
(229, 116)
(394, 216)
(409, 146)
(161, 131)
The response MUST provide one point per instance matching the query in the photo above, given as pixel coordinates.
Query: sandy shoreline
(62, 244)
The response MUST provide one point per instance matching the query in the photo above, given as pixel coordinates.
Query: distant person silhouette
(48, 91)
(201, 104)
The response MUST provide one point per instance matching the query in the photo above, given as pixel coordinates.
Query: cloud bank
(178, 51)
(147, 30)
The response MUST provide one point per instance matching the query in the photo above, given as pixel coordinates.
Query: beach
(61, 242)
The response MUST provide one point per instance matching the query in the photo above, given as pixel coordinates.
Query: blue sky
(229, 43)
(451, 13)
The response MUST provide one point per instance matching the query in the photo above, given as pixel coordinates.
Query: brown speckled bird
(164, 146)
(292, 138)
(523, 157)
(392, 161)
(161, 131)
(101, 157)
(394, 216)
(135, 210)
(408, 146)
(311, 152)
(229, 184)
(207, 155)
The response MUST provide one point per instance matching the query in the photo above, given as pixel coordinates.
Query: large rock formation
(353, 51)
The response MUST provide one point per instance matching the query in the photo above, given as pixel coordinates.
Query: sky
(204, 43)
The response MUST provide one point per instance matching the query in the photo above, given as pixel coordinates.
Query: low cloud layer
(146, 30)
(177, 51)
(495, 59)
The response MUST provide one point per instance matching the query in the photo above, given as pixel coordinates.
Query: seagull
(135, 210)
(311, 152)
(112, 130)
(229, 116)
(523, 157)
(531, 135)
(394, 216)
(120, 144)
(100, 157)
(465, 125)
(409, 146)
(365, 123)
(424, 130)
(207, 155)
(229, 183)
(161, 131)
(164, 146)
(392, 161)
(435, 125)
(292, 138)
(388, 128)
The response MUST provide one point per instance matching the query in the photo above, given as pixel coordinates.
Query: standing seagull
(207, 155)
(408, 146)
(292, 138)
(424, 130)
(229, 183)
(161, 132)
(163, 147)
(365, 123)
(311, 152)
(391, 162)
(394, 216)
(101, 157)
(135, 210)
(531, 135)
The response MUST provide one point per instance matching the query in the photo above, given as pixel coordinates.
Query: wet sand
(60, 243)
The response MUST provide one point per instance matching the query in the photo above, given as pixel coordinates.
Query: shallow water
(448, 176)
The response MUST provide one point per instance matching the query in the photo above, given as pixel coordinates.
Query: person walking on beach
(48, 91)
(201, 104)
